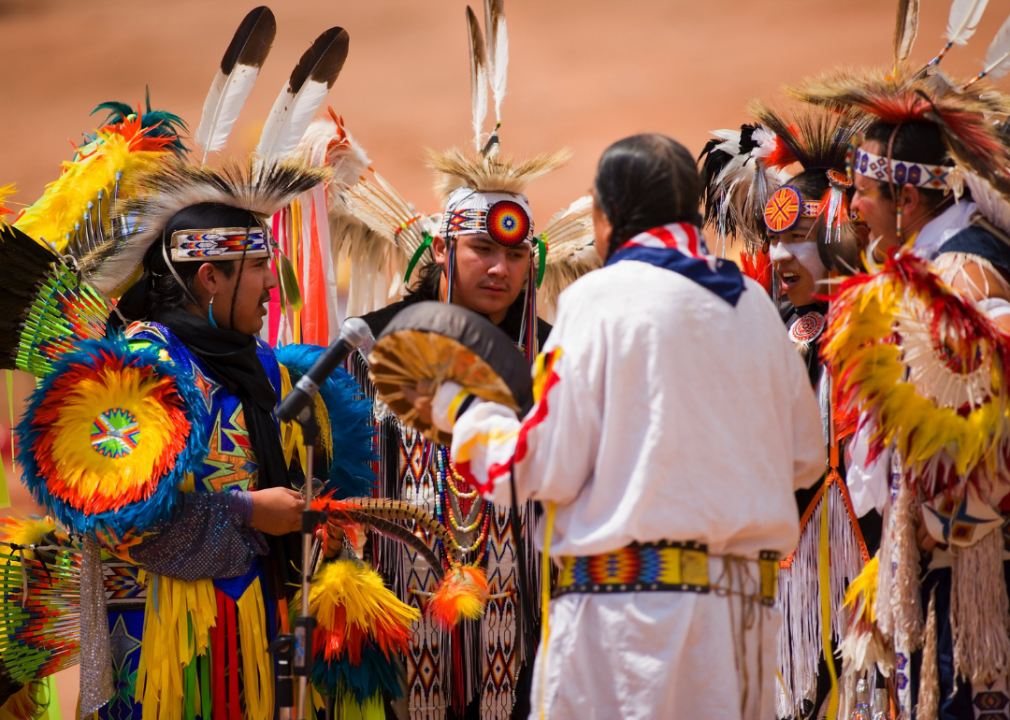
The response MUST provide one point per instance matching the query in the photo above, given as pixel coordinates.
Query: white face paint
(805, 254)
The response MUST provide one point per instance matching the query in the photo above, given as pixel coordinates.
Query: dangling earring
(210, 312)
(900, 235)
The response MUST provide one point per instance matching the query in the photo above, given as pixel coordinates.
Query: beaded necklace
(447, 479)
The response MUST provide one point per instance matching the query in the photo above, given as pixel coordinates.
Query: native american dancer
(806, 227)
(483, 254)
(152, 434)
(931, 178)
(664, 605)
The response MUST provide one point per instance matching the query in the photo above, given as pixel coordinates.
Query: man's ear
(208, 280)
(910, 198)
(438, 249)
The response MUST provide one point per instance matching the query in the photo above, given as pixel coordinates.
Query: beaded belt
(658, 566)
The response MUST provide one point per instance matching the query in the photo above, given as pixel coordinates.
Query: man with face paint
(809, 231)
(925, 178)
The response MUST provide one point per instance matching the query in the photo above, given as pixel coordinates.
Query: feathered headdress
(973, 141)
(382, 232)
(737, 182)
(457, 168)
(177, 185)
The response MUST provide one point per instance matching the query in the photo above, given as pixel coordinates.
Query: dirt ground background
(582, 74)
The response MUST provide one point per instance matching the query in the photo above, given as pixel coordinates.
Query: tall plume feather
(478, 78)
(997, 57)
(302, 95)
(497, 51)
(239, 69)
(905, 29)
(964, 19)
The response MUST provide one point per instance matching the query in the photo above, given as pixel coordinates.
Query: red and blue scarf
(680, 247)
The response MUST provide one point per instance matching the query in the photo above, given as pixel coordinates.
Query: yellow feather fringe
(172, 607)
(360, 592)
(65, 200)
(257, 663)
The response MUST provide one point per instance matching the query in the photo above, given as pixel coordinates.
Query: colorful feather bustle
(5, 192)
(29, 530)
(351, 450)
(362, 628)
(45, 309)
(103, 174)
(108, 437)
(462, 594)
(928, 368)
(39, 612)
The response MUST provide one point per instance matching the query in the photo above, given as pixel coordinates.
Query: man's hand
(420, 397)
(277, 511)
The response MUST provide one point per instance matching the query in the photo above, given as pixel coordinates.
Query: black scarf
(231, 358)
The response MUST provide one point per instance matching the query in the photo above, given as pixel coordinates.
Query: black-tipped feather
(252, 41)
(323, 61)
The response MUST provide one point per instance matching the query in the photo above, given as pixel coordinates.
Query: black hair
(919, 142)
(646, 181)
(159, 290)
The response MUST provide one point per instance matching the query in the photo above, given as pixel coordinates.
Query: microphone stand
(298, 647)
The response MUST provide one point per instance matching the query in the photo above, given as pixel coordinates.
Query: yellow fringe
(545, 601)
(257, 666)
(172, 605)
(824, 565)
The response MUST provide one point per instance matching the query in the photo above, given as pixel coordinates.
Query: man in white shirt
(673, 423)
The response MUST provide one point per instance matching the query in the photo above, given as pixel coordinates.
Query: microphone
(353, 334)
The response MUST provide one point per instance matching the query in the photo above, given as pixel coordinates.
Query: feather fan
(570, 253)
(905, 29)
(456, 168)
(239, 69)
(175, 186)
(497, 51)
(302, 95)
(478, 78)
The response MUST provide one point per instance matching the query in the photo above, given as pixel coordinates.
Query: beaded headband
(503, 216)
(219, 244)
(901, 172)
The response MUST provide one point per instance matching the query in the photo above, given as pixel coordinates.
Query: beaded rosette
(108, 437)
